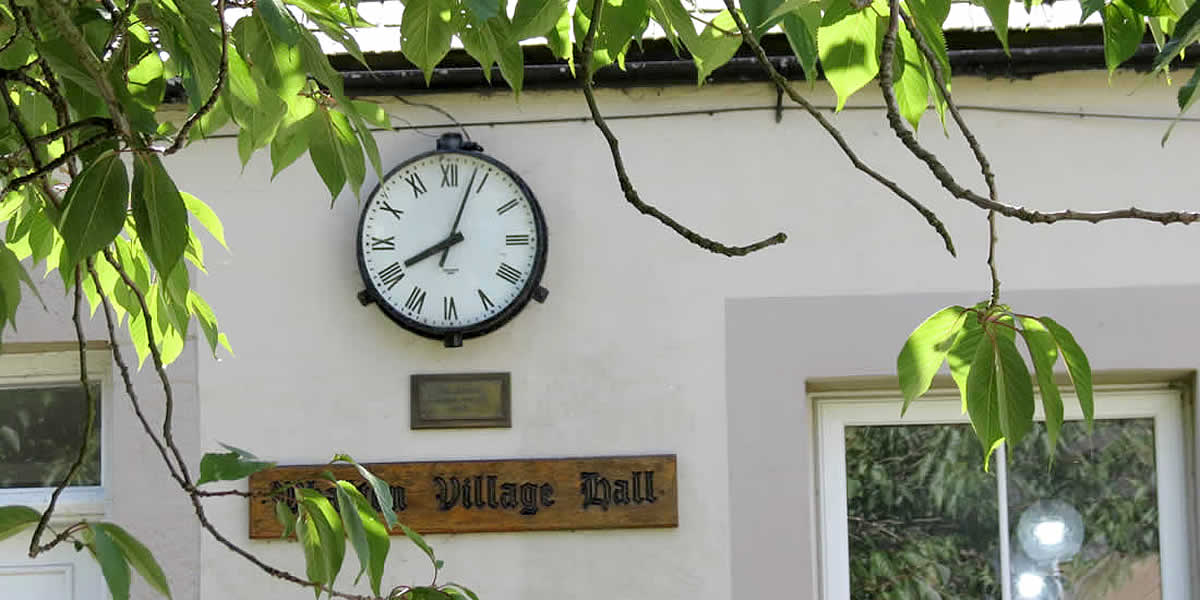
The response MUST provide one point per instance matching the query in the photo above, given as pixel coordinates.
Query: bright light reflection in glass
(1030, 585)
(1050, 533)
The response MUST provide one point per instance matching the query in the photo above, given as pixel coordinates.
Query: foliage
(87, 193)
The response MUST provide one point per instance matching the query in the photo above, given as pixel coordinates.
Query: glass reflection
(923, 515)
(1107, 479)
(40, 429)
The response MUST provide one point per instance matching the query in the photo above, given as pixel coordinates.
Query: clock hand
(443, 245)
(454, 227)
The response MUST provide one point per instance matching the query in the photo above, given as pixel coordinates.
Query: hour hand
(454, 238)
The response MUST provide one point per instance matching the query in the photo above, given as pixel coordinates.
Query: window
(42, 409)
(906, 510)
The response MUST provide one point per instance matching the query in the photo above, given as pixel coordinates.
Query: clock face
(451, 242)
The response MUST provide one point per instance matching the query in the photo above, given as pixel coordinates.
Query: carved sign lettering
(496, 495)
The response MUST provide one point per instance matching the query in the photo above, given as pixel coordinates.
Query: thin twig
(438, 109)
(991, 259)
(946, 179)
(627, 188)
(89, 426)
(724, 31)
(21, 76)
(783, 84)
(90, 64)
(222, 70)
(102, 122)
(59, 161)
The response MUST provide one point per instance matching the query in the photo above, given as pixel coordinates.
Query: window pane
(1108, 479)
(923, 515)
(40, 430)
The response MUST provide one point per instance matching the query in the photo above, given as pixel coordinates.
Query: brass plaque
(461, 400)
(498, 495)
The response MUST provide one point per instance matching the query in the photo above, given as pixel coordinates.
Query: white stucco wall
(629, 353)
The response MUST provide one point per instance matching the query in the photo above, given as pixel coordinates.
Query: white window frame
(834, 411)
(22, 369)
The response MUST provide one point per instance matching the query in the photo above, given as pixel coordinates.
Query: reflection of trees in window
(40, 429)
(1109, 477)
(923, 515)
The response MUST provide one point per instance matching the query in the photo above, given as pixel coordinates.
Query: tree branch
(631, 195)
(89, 426)
(991, 259)
(127, 378)
(88, 61)
(222, 71)
(783, 85)
(62, 159)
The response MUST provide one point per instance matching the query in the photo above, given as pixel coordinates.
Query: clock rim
(487, 325)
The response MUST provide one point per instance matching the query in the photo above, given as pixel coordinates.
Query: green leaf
(94, 209)
(11, 272)
(286, 518)
(205, 215)
(1089, 8)
(711, 48)
(15, 519)
(112, 562)
(315, 561)
(1187, 97)
(481, 11)
(228, 466)
(1044, 353)
(1014, 390)
(159, 214)
(911, 80)
(800, 27)
(420, 542)
(373, 113)
(425, 31)
(1123, 30)
(292, 138)
(534, 17)
(621, 22)
(1152, 8)
(1187, 31)
(925, 351)
(367, 534)
(280, 20)
(929, 16)
(983, 398)
(849, 49)
(335, 151)
(318, 510)
(464, 589)
(760, 14)
(997, 12)
(1077, 366)
(139, 556)
(383, 492)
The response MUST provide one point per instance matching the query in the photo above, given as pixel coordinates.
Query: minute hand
(434, 249)
(461, 205)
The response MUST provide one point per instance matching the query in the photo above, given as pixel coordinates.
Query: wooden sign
(497, 495)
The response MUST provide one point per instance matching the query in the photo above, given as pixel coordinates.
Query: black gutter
(1033, 53)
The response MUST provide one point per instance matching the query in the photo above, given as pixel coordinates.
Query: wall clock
(452, 243)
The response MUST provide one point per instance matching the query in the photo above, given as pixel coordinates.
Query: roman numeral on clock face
(487, 302)
(449, 175)
(418, 186)
(387, 243)
(507, 206)
(449, 312)
(388, 208)
(517, 240)
(391, 275)
(416, 300)
(481, 182)
(508, 273)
